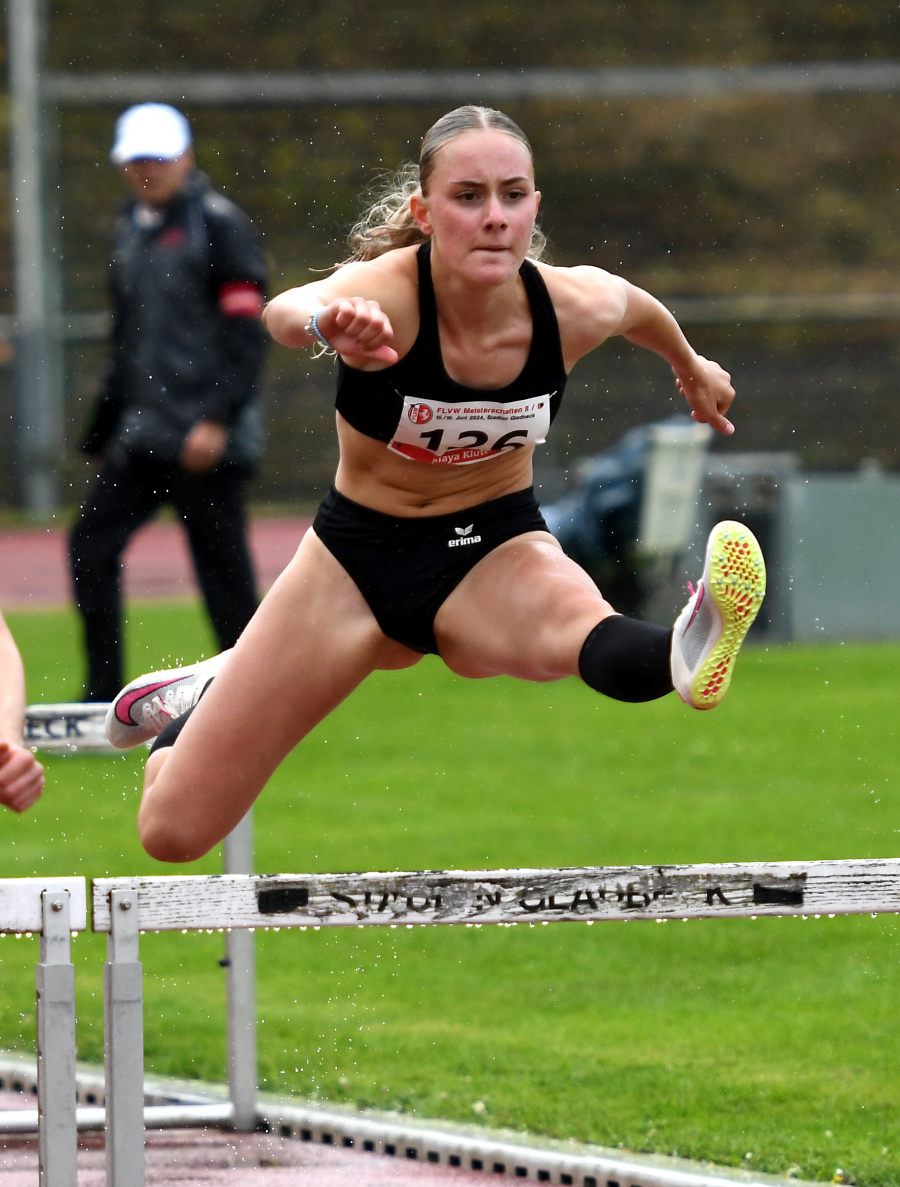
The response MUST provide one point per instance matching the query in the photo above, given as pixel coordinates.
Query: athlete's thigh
(524, 610)
(310, 643)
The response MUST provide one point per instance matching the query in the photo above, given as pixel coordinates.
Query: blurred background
(780, 188)
(740, 161)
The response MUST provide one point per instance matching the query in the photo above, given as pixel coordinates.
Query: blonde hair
(388, 222)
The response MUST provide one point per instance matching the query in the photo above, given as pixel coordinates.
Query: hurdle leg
(55, 980)
(241, 966)
(123, 1046)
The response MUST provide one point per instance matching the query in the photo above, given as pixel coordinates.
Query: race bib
(460, 434)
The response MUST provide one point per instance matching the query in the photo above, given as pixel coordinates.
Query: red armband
(240, 298)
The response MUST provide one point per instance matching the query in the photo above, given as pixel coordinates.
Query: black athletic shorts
(406, 568)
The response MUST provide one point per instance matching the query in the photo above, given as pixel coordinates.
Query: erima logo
(464, 536)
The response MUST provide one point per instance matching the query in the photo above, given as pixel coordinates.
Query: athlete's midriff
(371, 474)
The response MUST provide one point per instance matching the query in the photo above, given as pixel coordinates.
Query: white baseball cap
(153, 130)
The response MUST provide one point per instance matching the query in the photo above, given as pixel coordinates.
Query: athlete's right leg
(311, 642)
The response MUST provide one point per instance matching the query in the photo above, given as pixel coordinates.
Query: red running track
(189, 1158)
(34, 570)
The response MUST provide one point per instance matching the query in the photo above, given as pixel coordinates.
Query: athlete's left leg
(527, 610)
(524, 610)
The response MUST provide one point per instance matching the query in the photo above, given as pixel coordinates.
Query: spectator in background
(178, 420)
(21, 775)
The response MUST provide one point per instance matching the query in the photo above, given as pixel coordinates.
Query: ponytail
(388, 223)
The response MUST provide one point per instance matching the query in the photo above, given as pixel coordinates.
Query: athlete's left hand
(21, 777)
(707, 388)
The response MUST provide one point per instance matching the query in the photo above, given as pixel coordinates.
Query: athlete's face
(481, 205)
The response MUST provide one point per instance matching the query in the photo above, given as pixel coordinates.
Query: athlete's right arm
(354, 307)
(21, 775)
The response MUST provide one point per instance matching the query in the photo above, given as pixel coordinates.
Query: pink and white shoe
(146, 706)
(710, 629)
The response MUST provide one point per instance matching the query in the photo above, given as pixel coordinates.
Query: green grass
(775, 1038)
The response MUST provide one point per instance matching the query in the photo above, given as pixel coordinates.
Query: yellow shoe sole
(737, 585)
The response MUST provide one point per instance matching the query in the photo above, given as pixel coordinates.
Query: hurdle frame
(240, 964)
(52, 908)
(70, 727)
(247, 902)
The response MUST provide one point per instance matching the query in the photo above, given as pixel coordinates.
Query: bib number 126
(476, 439)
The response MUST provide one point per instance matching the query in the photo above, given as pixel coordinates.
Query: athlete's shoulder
(393, 274)
(586, 292)
(589, 303)
(398, 265)
(583, 286)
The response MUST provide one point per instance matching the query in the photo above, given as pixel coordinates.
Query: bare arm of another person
(593, 305)
(21, 775)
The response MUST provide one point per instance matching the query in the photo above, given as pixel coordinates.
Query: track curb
(469, 1147)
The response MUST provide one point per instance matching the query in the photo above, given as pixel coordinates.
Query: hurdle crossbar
(68, 727)
(52, 908)
(592, 894)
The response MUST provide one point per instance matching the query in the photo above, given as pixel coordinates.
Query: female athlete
(454, 342)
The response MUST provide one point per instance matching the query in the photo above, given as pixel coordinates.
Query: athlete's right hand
(21, 777)
(358, 328)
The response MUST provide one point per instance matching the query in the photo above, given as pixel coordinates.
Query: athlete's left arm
(593, 305)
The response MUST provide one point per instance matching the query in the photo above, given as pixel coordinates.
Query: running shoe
(710, 629)
(146, 706)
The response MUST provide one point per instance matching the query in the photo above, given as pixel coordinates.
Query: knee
(560, 637)
(163, 834)
(169, 849)
(165, 841)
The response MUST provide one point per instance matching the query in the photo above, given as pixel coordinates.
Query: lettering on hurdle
(67, 727)
(508, 896)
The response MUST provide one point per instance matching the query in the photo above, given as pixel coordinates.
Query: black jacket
(187, 343)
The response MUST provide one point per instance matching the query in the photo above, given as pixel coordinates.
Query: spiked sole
(737, 585)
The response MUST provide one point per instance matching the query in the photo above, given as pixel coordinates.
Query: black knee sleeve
(627, 660)
(169, 733)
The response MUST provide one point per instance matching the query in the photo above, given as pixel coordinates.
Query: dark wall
(352, 34)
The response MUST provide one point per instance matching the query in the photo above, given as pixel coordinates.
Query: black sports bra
(421, 413)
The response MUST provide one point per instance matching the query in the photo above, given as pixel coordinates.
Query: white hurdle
(439, 897)
(79, 727)
(52, 908)
(68, 727)
(240, 962)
